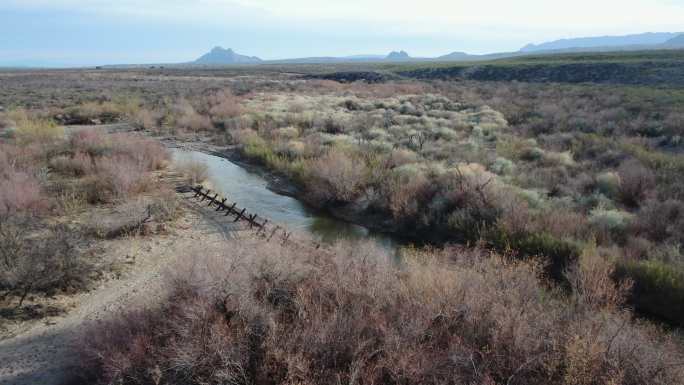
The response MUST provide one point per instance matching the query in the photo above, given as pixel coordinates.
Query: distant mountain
(456, 56)
(221, 56)
(603, 42)
(676, 41)
(398, 56)
(645, 41)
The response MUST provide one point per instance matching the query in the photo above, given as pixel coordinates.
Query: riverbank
(280, 184)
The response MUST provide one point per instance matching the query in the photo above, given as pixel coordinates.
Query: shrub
(148, 154)
(559, 159)
(336, 177)
(115, 178)
(608, 184)
(190, 119)
(20, 193)
(637, 182)
(264, 314)
(556, 253)
(658, 289)
(39, 264)
(532, 154)
(225, 105)
(591, 280)
(195, 171)
(610, 222)
(409, 189)
(38, 131)
(79, 164)
(137, 217)
(502, 166)
(662, 221)
(92, 142)
(146, 119)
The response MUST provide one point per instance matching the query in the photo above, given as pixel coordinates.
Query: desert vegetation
(547, 221)
(267, 314)
(540, 169)
(51, 181)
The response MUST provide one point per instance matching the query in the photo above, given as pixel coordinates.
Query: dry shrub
(146, 153)
(225, 105)
(79, 164)
(20, 192)
(267, 314)
(38, 131)
(92, 112)
(336, 177)
(114, 166)
(5, 122)
(408, 189)
(592, 281)
(194, 171)
(39, 263)
(188, 118)
(116, 177)
(637, 182)
(90, 141)
(146, 119)
(142, 216)
(662, 221)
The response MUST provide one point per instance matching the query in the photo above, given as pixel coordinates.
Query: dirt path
(46, 353)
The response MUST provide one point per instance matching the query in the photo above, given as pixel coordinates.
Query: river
(250, 191)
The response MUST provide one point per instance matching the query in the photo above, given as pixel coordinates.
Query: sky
(93, 32)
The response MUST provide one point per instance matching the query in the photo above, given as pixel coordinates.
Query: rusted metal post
(240, 215)
(263, 225)
(251, 220)
(205, 196)
(211, 202)
(272, 233)
(222, 204)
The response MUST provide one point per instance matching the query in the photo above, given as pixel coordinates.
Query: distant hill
(221, 56)
(628, 43)
(398, 56)
(639, 41)
(676, 41)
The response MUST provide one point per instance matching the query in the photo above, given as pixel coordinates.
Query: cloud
(425, 16)
(174, 30)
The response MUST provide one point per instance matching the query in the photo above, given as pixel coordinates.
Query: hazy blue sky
(88, 32)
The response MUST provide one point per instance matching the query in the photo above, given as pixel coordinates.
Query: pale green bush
(288, 132)
(608, 183)
(502, 166)
(612, 221)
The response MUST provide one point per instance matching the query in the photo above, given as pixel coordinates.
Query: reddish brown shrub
(116, 177)
(20, 192)
(637, 182)
(148, 154)
(93, 142)
(225, 105)
(337, 177)
(79, 164)
(266, 314)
